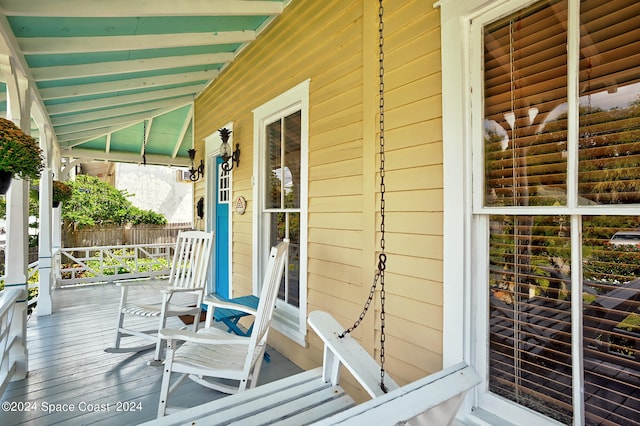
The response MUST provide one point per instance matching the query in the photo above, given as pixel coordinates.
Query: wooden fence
(118, 235)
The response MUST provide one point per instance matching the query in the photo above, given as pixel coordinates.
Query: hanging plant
(61, 192)
(20, 155)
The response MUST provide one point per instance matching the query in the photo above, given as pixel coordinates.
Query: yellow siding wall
(335, 44)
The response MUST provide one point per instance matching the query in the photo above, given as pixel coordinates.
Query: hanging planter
(61, 192)
(20, 155)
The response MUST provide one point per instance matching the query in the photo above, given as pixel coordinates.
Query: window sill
(287, 324)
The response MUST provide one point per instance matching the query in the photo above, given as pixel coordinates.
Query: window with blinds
(532, 201)
(282, 197)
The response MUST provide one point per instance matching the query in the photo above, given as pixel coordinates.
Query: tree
(94, 202)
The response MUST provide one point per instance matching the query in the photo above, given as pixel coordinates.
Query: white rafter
(91, 154)
(123, 85)
(112, 101)
(68, 45)
(182, 132)
(114, 112)
(75, 139)
(64, 72)
(112, 121)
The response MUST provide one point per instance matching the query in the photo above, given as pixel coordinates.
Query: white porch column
(45, 302)
(16, 258)
(45, 252)
(56, 229)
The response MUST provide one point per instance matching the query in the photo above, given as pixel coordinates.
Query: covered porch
(72, 380)
(139, 111)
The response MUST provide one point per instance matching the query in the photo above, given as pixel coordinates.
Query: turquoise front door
(221, 226)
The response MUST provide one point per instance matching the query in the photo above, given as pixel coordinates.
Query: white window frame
(287, 319)
(466, 234)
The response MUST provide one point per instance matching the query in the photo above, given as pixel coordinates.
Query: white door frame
(212, 151)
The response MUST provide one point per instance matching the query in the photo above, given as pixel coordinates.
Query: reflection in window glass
(287, 225)
(283, 162)
(609, 105)
(525, 103)
(611, 316)
(274, 160)
(531, 351)
(530, 313)
(291, 184)
(282, 193)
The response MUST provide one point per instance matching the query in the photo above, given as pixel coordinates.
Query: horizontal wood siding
(413, 181)
(335, 44)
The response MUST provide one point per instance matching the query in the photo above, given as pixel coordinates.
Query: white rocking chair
(187, 281)
(213, 355)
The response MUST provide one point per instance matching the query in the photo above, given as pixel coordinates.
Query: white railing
(82, 265)
(11, 343)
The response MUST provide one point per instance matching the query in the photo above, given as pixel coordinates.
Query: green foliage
(597, 230)
(20, 154)
(94, 202)
(126, 264)
(613, 263)
(630, 323)
(138, 216)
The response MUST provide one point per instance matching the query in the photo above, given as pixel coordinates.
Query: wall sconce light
(195, 173)
(225, 151)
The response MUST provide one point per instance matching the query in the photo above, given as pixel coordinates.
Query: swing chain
(382, 257)
(372, 293)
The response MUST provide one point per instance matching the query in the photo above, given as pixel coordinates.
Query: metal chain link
(144, 142)
(382, 257)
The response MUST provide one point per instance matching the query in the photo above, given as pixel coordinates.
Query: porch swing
(316, 396)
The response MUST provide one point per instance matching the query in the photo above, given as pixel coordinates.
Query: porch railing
(11, 343)
(82, 265)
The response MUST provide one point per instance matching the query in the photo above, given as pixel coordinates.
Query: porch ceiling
(105, 73)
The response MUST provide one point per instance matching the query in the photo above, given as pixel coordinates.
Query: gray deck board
(68, 365)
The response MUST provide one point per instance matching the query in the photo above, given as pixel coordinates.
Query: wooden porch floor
(68, 365)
